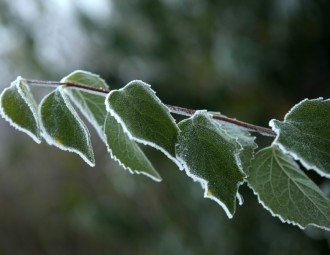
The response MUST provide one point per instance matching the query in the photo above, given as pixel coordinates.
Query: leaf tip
(208, 194)
(16, 103)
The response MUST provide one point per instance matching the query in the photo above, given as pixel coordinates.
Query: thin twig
(247, 126)
(67, 84)
(174, 109)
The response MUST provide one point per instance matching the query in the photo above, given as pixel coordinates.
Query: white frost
(4, 115)
(282, 219)
(306, 164)
(145, 142)
(51, 141)
(130, 170)
(87, 114)
(65, 79)
(204, 183)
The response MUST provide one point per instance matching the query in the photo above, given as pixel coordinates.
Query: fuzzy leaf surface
(126, 151)
(286, 191)
(143, 117)
(62, 126)
(210, 156)
(19, 108)
(305, 134)
(91, 105)
(245, 139)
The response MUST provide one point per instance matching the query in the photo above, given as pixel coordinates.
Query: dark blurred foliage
(248, 59)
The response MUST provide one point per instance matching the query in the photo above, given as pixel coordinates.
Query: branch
(174, 109)
(67, 84)
(250, 127)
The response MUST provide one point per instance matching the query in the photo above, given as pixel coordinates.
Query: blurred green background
(252, 60)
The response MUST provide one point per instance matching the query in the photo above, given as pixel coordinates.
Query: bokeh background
(252, 60)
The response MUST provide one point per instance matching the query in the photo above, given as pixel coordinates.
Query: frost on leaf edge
(35, 138)
(89, 117)
(254, 147)
(307, 165)
(275, 215)
(122, 123)
(280, 217)
(50, 140)
(130, 170)
(204, 183)
(64, 79)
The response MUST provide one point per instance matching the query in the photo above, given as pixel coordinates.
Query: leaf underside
(143, 117)
(91, 105)
(210, 156)
(126, 151)
(286, 191)
(62, 126)
(19, 108)
(305, 134)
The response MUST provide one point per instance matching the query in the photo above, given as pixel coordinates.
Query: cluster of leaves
(219, 155)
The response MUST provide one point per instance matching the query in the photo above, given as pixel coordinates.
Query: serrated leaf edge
(120, 121)
(307, 165)
(204, 183)
(50, 140)
(87, 116)
(13, 124)
(90, 118)
(130, 170)
(277, 215)
(282, 219)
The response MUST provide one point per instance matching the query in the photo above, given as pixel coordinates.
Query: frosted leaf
(126, 151)
(19, 108)
(143, 117)
(285, 190)
(86, 78)
(91, 105)
(211, 157)
(244, 138)
(62, 126)
(305, 134)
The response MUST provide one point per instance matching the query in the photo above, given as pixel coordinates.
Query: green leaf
(143, 117)
(19, 108)
(210, 156)
(126, 151)
(285, 190)
(62, 126)
(244, 138)
(91, 105)
(305, 134)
